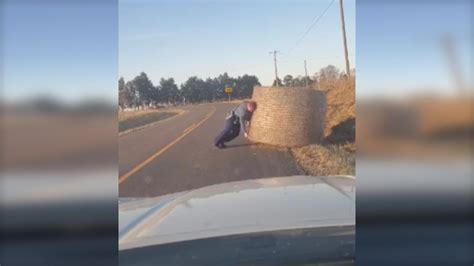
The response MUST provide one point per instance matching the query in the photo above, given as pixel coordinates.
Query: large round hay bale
(288, 117)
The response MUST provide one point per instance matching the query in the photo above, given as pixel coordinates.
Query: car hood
(238, 207)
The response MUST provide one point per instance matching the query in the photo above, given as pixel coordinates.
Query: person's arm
(243, 124)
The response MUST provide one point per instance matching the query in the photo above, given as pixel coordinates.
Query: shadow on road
(241, 145)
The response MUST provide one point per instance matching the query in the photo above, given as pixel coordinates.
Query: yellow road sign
(228, 90)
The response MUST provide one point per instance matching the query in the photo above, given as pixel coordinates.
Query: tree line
(324, 76)
(140, 91)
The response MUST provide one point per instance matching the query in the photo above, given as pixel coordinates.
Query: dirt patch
(132, 120)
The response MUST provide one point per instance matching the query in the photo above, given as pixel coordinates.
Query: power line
(316, 20)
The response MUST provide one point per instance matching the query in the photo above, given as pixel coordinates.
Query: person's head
(251, 106)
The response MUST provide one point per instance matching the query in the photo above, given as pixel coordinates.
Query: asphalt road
(178, 154)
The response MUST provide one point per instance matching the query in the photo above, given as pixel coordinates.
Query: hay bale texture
(288, 117)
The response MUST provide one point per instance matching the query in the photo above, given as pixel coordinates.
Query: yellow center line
(167, 147)
(189, 128)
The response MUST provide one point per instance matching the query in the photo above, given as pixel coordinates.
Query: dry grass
(41, 140)
(336, 156)
(130, 120)
(323, 160)
(132, 114)
(425, 127)
(340, 102)
(444, 114)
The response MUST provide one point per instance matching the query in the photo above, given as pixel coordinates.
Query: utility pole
(275, 62)
(453, 62)
(344, 38)
(305, 74)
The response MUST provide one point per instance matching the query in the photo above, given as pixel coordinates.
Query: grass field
(130, 120)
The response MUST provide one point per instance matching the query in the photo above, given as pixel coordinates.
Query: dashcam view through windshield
(236, 133)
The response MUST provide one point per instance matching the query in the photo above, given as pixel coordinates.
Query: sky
(78, 49)
(181, 39)
(398, 47)
(63, 49)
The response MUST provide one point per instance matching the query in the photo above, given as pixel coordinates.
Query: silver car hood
(238, 207)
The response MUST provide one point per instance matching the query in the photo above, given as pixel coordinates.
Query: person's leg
(234, 133)
(223, 136)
